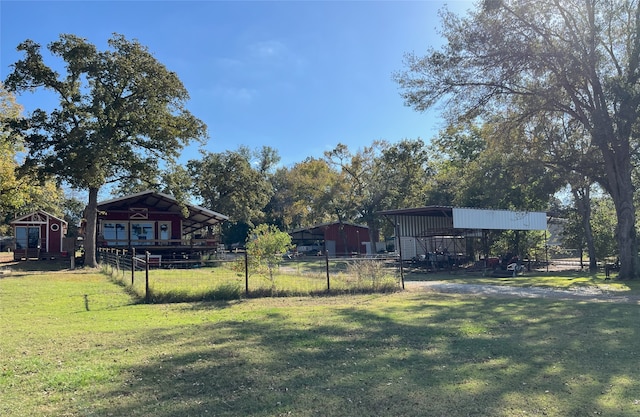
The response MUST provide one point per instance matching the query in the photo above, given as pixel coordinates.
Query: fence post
(147, 296)
(326, 261)
(133, 264)
(246, 272)
(400, 253)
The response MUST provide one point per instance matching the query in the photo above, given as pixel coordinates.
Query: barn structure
(432, 231)
(337, 238)
(157, 223)
(38, 235)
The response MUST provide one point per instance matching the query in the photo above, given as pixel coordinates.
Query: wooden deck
(170, 250)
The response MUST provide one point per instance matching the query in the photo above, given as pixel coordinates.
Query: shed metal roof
(317, 231)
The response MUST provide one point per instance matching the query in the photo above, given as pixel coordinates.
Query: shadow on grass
(46, 265)
(421, 275)
(452, 356)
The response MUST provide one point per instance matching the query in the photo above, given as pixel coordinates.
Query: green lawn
(225, 280)
(75, 344)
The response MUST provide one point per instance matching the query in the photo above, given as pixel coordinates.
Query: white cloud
(229, 94)
(269, 49)
(239, 95)
(228, 63)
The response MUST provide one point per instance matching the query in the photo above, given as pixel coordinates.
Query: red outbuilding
(38, 235)
(338, 239)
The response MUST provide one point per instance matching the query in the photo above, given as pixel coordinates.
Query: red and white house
(157, 223)
(38, 235)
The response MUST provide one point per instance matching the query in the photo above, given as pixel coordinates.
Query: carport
(438, 230)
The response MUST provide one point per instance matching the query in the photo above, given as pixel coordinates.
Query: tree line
(540, 97)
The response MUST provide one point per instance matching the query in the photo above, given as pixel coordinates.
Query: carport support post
(485, 248)
(546, 250)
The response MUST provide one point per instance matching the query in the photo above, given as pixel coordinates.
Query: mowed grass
(75, 344)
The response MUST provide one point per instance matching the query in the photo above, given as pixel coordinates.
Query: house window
(115, 234)
(142, 233)
(27, 237)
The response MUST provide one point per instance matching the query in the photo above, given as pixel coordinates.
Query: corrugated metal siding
(465, 218)
(423, 225)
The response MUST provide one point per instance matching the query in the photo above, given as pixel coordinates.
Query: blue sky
(298, 76)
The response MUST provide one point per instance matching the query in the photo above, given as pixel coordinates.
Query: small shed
(38, 235)
(337, 238)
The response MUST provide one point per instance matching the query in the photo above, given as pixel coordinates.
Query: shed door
(408, 247)
(330, 246)
(27, 237)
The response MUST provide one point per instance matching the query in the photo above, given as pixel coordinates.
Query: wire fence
(226, 276)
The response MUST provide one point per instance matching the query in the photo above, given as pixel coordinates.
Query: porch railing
(125, 243)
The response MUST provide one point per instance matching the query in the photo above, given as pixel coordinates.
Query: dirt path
(592, 294)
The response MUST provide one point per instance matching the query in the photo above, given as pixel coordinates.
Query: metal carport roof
(442, 219)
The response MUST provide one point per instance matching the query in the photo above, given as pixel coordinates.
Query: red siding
(348, 240)
(55, 236)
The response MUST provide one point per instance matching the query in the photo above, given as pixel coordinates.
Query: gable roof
(320, 226)
(27, 217)
(198, 218)
(317, 231)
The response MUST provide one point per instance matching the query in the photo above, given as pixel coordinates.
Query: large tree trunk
(620, 187)
(91, 217)
(627, 239)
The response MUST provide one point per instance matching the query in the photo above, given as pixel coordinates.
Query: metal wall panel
(466, 218)
(423, 225)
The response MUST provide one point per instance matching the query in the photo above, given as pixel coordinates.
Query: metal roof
(432, 211)
(324, 225)
(471, 218)
(197, 219)
(317, 231)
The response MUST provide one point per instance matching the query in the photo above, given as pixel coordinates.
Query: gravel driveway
(593, 294)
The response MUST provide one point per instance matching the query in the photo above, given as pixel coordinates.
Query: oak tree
(119, 112)
(228, 183)
(577, 59)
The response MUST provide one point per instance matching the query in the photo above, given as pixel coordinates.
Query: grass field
(226, 280)
(75, 344)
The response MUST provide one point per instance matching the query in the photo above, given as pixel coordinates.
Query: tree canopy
(20, 193)
(119, 112)
(576, 59)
